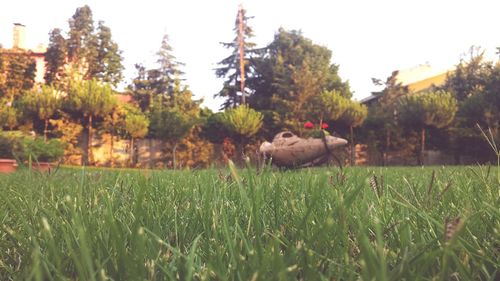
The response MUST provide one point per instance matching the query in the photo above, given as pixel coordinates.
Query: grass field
(312, 224)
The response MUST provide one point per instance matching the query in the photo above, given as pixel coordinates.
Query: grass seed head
(451, 228)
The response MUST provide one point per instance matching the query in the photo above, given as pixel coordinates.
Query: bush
(9, 145)
(5, 147)
(40, 150)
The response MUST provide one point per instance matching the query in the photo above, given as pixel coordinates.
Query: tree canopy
(91, 52)
(422, 110)
(159, 81)
(291, 73)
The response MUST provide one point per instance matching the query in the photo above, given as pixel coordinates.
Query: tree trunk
(132, 154)
(240, 151)
(385, 157)
(353, 152)
(241, 43)
(422, 146)
(112, 146)
(174, 149)
(45, 130)
(151, 153)
(90, 158)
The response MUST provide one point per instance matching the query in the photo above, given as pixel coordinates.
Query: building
(416, 79)
(19, 48)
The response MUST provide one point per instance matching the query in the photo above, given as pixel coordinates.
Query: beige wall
(150, 152)
(40, 69)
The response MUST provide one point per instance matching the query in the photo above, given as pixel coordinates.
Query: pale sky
(367, 38)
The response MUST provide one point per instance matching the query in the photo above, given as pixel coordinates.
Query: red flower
(324, 126)
(308, 125)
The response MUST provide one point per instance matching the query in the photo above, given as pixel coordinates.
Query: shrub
(9, 145)
(40, 150)
(5, 147)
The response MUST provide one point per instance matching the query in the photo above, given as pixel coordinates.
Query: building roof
(368, 99)
(417, 79)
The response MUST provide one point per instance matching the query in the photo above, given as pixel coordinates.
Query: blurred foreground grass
(432, 223)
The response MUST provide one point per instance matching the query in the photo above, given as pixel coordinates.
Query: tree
(55, 58)
(68, 131)
(421, 110)
(243, 121)
(8, 114)
(380, 128)
(331, 105)
(43, 103)
(109, 66)
(237, 67)
(168, 69)
(475, 84)
(143, 88)
(172, 125)
(291, 75)
(354, 115)
(136, 126)
(214, 128)
(304, 98)
(95, 55)
(174, 116)
(82, 43)
(469, 77)
(91, 99)
(114, 124)
(152, 83)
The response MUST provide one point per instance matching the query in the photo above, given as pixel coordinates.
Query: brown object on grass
(289, 150)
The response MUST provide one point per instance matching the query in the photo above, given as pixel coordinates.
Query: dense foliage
(288, 82)
(291, 76)
(475, 84)
(423, 110)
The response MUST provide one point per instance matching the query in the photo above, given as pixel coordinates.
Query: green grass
(312, 224)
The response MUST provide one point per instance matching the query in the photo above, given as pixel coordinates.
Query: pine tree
(475, 83)
(143, 88)
(91, 99)
(244, 122)
(354, 115)
(43, 103)
(237, 67)
(168, 67)
(93, 54)
(109, 60)
(173, 117)
(55, 58)
(82, 44)
(160, 81)
(136, 126)
(419, 111)
(381, 122)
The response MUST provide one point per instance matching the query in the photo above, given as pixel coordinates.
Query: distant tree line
(445, 118)
(265, 90)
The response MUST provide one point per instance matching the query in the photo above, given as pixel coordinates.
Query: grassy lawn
(312, 224)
